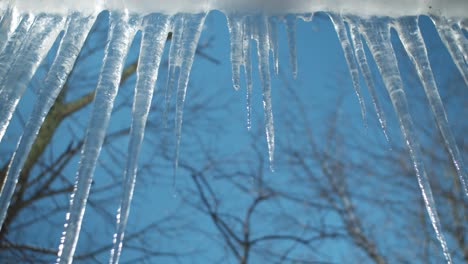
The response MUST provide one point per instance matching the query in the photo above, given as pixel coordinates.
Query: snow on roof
(393, 8)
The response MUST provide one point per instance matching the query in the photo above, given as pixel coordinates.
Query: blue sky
(323, 82)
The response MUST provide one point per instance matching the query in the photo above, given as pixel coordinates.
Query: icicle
(10, 51)
(121, 33)
(367, 74)
(248, 70)
(260, 28)
(70, 46)
(350, 58)
(460, 40)
(239, 29)
(273, 38)
(464, 24)
(174, 61)
(377, 35)
(455, 42)
(410, 36)
(8, 24)
(236, 31)
(185, 40)
(39, 40)
(261, 35)
(291, 31)
(155, 29)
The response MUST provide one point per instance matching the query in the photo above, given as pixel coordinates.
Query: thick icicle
(8, 24)
(408, 30)
(121, 33)
(186, 32)
(377, 34)
(367, 74)
(70, 46)
(39, 40)
(261, 35)
(291, 31)
(350, 58)
(236, 31)
(456, 43)
(273, 38)
(155, 28)
(11, 49)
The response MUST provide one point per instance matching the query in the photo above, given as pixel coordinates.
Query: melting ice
(28, 30)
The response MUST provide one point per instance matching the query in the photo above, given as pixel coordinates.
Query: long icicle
(155, 28)
(262, 36)
(367, 74)
(189, 36)
(70, 46)
(121, 33)
(290, 21)
(8, 24)
(340, 29)
(40, 38)
(377, 35)
(452, 39)
(10, 51)
(240, 31)
(247, 69)
(410, 36)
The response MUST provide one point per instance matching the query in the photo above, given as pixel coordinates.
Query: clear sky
(215, 130)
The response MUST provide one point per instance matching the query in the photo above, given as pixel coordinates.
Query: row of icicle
(26, 38)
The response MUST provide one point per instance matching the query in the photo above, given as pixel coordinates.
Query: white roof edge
(392, 8)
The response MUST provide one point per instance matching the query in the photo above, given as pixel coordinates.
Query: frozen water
(377, 35)
(453, 8)
(154, 32)
(350, 59)
(29, 28)
(121, 33)
(70, 46)
(24, 53)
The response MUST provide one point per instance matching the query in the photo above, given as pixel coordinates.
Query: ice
(363, 8)
(29, 28)
(377, 35)
(9, 21)
(236, 31)
(366, 73)
(122, 30)
(248, 73)
(273, 39)
(350, 58)
(27, 52)
(410, 36)
(456, 43)
(262, 29)
(11, 48)
(290, 21)
(240, 56)
(261, 33)
(70, 46)
(154, 33)
(186, 32)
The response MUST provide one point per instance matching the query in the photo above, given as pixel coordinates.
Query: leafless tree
(35, 217)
